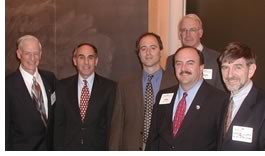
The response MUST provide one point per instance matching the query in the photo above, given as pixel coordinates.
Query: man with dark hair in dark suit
(29, 113)
(190, 34)
(84, 105)
(243, 126)
(187, 116)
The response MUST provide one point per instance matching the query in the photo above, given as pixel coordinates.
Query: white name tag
(243, 134)
(207, 74)
(53, 98)
(166, 98)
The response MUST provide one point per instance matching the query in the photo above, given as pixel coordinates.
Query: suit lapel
(47, 90)
(167, 119)
(245, 108)
(74, 96)
(193, 112)
(23, 91)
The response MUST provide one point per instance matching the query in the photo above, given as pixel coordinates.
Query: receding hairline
(26, 38)
(193, 17)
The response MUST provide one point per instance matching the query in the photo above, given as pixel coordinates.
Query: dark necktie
(179, 114)
(228, 118)
(84, 100)
(38, 100)
(148, 107)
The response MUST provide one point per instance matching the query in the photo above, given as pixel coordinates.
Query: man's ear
(252, 69)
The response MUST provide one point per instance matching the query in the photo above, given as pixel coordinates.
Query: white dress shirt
(239, 97)
(28, 79)
(90, 82)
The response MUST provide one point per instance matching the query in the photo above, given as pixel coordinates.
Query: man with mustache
(190, 33)
(243, 126)
(187, 116)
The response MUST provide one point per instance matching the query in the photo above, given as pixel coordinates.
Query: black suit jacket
(210, 62)
(70, 133)
(199, 129)
(24, 128)
(251, 114)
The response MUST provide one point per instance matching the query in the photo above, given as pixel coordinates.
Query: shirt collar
(200, 47)
(192, 90)
(156, 75)
(27, 75)
(243, 91)
(89, 79)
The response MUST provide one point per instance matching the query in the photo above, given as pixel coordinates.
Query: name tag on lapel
(166, 98)
(242, 134)
(207, 74)
(53, 98)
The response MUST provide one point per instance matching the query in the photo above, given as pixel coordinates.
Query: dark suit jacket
(24, 127)
(128, 114)
(210, 62)
(251, 114)
(70, 133)
(199, 129)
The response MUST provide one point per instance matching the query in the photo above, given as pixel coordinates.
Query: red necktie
(84, 100)
(180, 114)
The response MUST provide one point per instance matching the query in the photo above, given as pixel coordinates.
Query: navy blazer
(24, 129)
(200, 127)
(251, 114)
(70, 133)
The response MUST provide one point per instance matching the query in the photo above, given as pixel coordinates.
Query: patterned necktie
(179, 114)
(228, 119)
(84, 100)
(148, 107)
(38, 100)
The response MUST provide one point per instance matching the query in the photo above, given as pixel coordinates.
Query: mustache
(232, 78)
(185, 72)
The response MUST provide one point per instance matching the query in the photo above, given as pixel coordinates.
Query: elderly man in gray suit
(190, 34)
(135, 97)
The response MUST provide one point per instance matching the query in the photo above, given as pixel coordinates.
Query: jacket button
(141, 133)
(140, 148)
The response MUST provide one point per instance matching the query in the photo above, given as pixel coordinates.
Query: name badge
(207, 74)
(166, 98)
(53, 98)
(242, 134)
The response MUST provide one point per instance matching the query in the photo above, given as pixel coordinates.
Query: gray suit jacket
(210, 62)
(128, 114)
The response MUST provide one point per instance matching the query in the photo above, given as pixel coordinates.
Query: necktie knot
(85, 82)
(185, 94)
(149, 78)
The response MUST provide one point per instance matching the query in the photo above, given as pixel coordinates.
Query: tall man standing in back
(135, 97)
(190, 33)
(29, 100)
(84, 105)
(244, 121)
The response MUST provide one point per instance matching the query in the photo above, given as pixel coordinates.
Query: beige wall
(163, 18)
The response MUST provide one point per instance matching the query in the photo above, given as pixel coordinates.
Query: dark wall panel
(112, 25)
(234, 20)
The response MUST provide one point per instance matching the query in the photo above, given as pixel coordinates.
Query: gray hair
(192, 16)
(26, 37)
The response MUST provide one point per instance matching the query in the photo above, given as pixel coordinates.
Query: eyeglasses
(191, 30)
